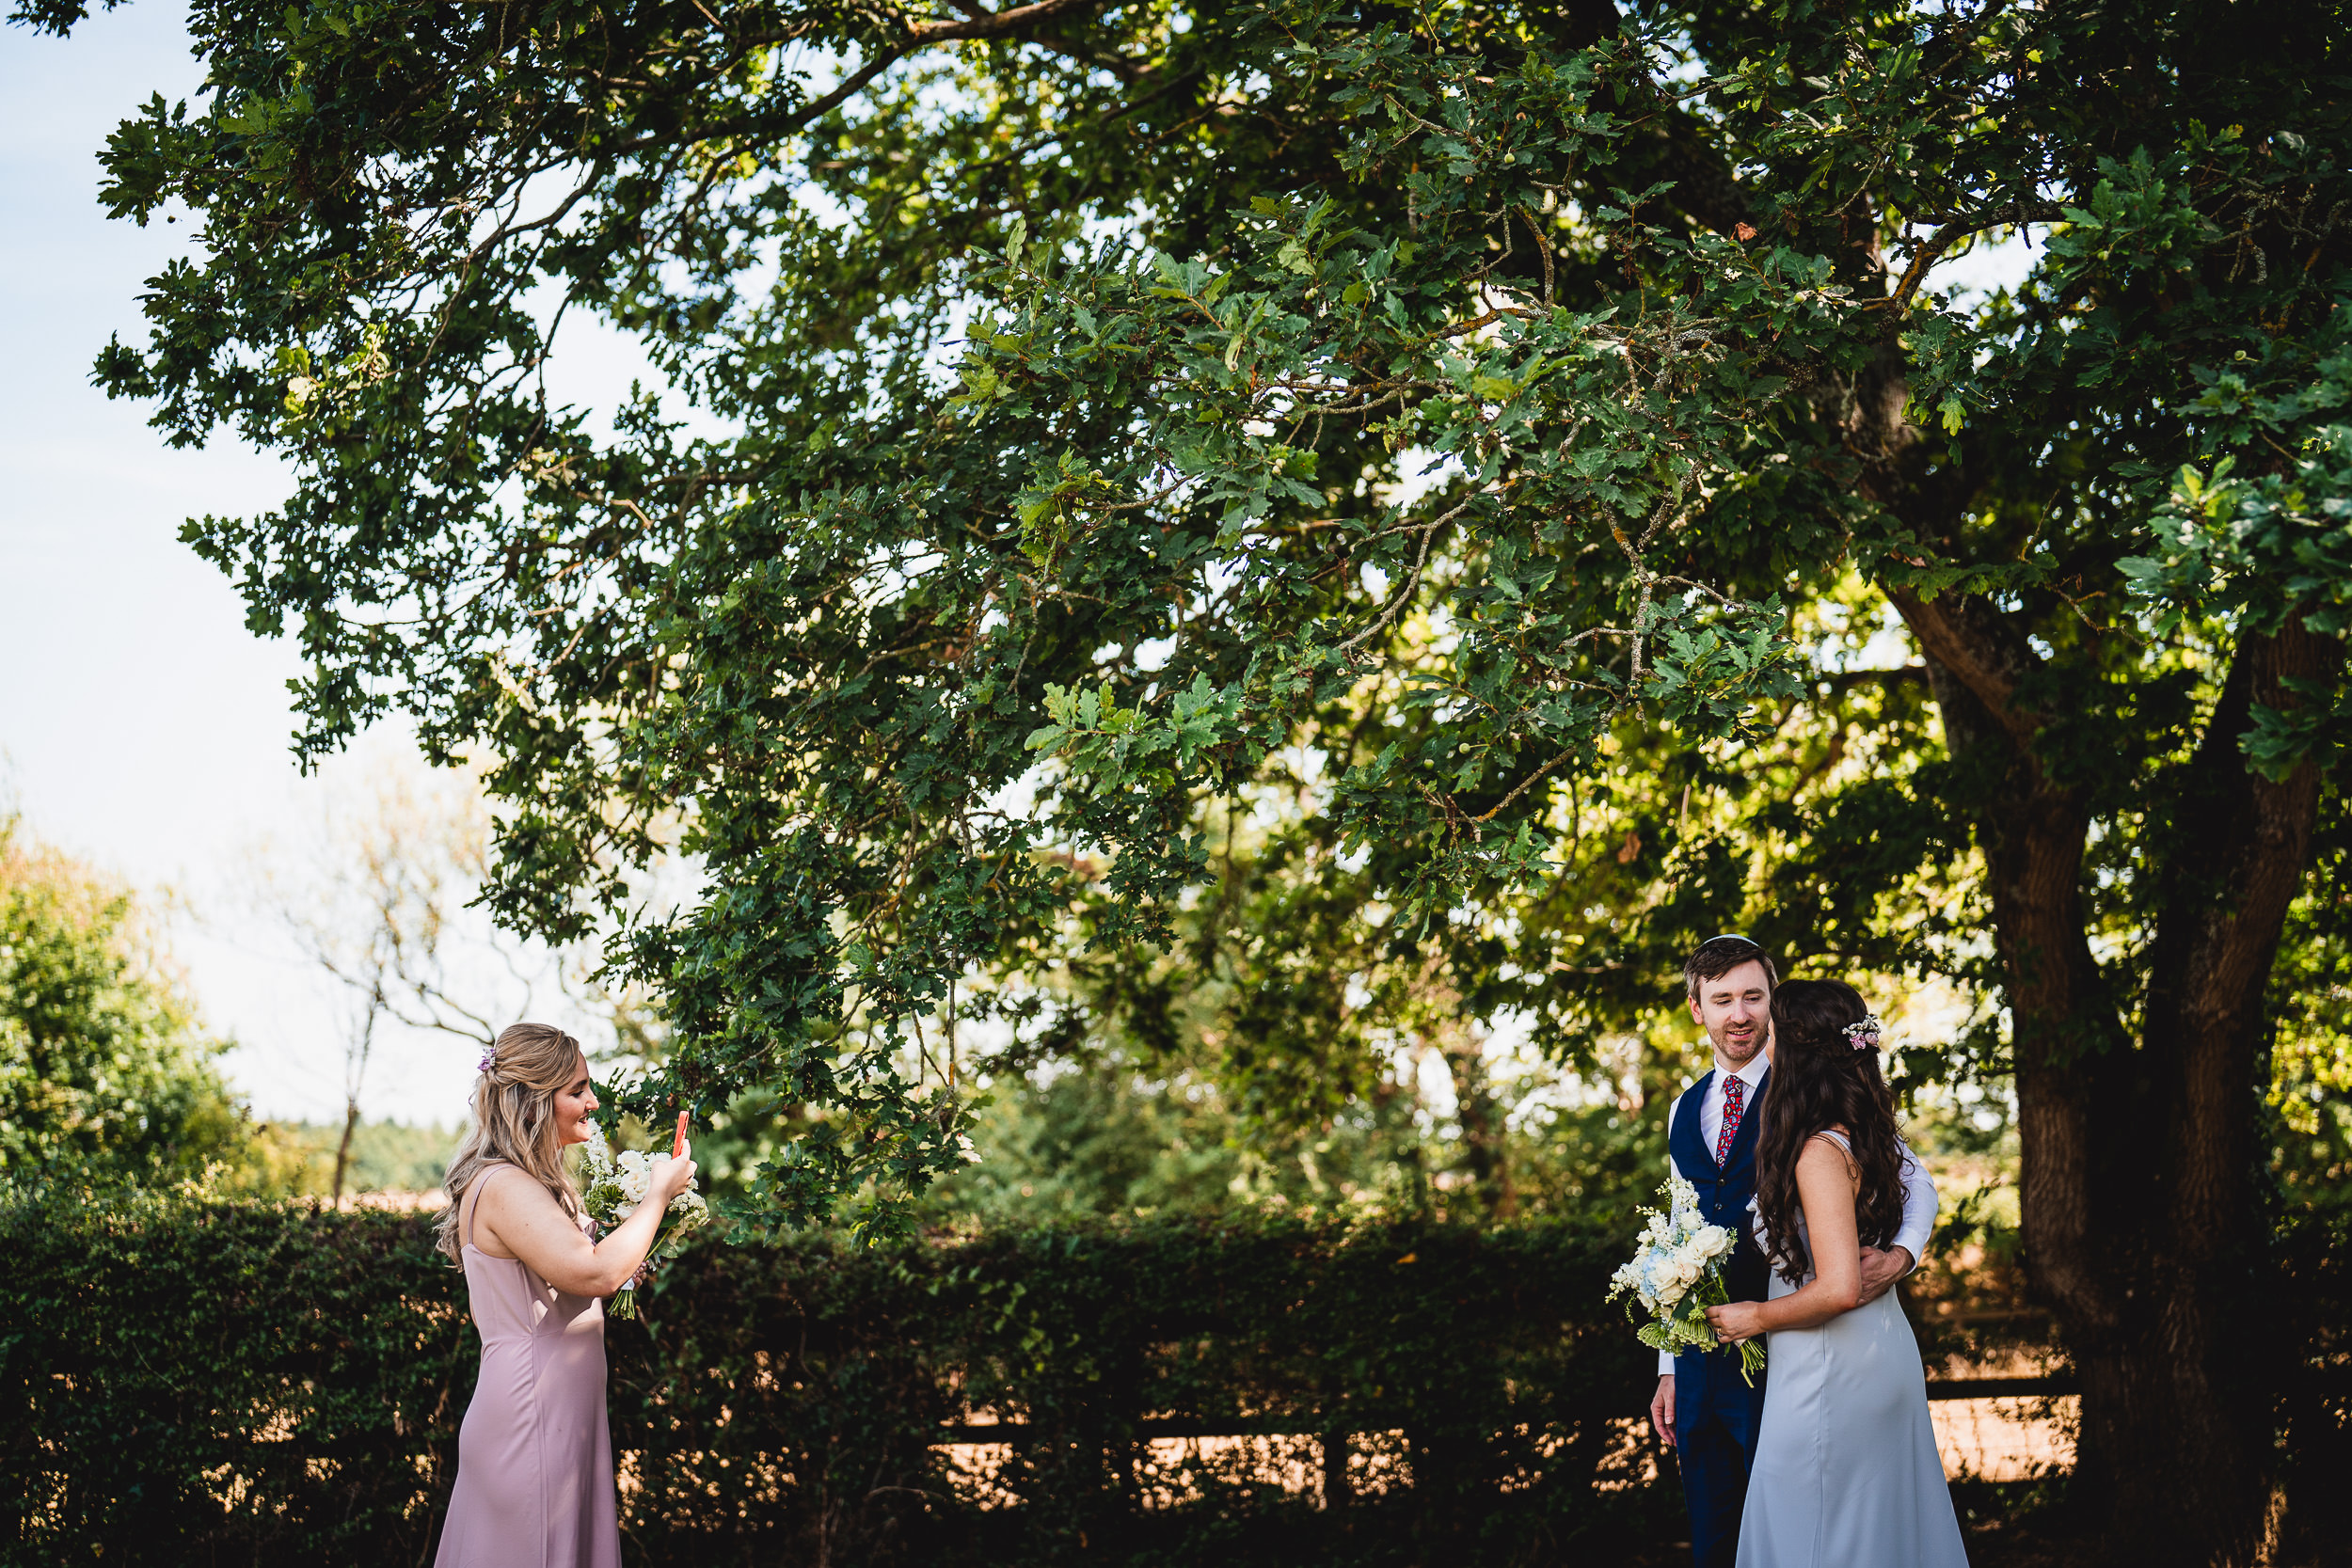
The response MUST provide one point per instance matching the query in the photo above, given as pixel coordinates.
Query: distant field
(386, 1156)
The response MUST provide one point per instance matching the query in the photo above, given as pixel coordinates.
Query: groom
(1704, 1408)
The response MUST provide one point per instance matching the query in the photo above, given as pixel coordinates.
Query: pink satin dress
(534, 1456)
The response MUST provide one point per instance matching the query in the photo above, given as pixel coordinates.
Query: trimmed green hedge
(201, 1383)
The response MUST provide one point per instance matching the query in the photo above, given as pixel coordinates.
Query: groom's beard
(1739, 1053)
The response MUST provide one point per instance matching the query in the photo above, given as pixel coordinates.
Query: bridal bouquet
(1678, 1275)
(614, 1188)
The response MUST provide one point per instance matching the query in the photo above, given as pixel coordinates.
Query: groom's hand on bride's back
(1879, 1269)
(1661, 1409)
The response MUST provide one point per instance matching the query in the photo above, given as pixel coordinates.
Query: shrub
(197, 1382)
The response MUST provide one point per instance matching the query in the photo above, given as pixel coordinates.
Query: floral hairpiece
(489, 1059)
(1865, 1035)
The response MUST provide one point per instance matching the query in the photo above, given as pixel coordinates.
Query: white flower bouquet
(1678, 1275)
(614, 1187)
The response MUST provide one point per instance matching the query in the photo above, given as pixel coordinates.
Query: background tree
(106, 1073)
(374, 899)
(1415, 426)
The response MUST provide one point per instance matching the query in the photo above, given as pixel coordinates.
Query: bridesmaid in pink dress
(534, 1456)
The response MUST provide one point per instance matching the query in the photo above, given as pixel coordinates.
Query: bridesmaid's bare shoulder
(506, 1200)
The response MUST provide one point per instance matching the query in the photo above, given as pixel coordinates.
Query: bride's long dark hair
(1821, 1080)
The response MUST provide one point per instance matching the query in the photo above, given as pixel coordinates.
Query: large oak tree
(1085, 425)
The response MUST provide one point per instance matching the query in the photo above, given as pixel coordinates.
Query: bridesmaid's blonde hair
(514, 1119)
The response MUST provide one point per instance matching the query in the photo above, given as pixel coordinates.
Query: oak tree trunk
(2139, 1210)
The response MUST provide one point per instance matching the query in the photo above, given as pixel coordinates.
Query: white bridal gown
(1846, 1472)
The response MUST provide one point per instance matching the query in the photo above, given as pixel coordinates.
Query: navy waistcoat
(1724, 1190)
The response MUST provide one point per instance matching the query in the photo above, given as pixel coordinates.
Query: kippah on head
(1717, 957)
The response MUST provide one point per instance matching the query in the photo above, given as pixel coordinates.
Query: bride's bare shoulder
(1831, 1144)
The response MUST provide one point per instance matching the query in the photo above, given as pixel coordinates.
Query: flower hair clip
(1865, 1035)
(489, 1060)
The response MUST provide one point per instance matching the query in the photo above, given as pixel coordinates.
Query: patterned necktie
(1735, 1097)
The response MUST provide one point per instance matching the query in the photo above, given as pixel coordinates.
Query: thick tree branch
(2227, 889)
(1978, 649)
(994, 23)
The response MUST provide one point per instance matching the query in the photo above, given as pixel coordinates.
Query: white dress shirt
(1712, 1108)
(1919, 1197)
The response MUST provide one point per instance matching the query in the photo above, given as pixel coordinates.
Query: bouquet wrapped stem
(1677, 1276)
(614, 1186)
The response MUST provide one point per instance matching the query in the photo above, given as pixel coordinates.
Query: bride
(1846, 1469)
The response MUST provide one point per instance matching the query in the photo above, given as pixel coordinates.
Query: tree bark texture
(2142, 1228)
(342, 1149)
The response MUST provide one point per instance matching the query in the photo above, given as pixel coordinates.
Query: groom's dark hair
(1717, 957)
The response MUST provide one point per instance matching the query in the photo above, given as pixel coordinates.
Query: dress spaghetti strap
(465, 1211)
(1845, 1147)
(472, 1200)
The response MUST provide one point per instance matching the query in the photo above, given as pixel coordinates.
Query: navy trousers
(1717, 1418)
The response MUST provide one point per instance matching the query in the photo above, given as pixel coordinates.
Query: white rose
(635, 1175)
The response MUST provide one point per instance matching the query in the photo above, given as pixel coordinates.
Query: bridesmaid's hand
(671, 1178)
(1736, 1320)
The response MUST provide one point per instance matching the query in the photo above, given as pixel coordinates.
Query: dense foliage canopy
(1393, 523)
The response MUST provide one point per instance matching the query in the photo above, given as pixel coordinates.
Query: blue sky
(141, 725)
